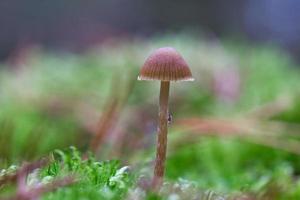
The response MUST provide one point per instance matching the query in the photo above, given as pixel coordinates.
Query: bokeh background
(68, 77)
(77, 25)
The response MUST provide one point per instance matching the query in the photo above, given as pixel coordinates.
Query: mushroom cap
(165, 64)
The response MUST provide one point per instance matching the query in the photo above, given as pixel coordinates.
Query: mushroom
(165, 65)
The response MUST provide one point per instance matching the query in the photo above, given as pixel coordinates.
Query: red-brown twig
(31, 193)
(23, 170)
(114, 106)
(250, 130)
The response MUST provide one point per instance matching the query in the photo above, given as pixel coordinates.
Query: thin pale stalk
(161, 149)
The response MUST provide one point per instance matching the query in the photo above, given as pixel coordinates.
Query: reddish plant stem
(161, 149)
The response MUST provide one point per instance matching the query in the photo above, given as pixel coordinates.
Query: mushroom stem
(161, 148)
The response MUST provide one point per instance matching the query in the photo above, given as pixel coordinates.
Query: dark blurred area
(76, 25)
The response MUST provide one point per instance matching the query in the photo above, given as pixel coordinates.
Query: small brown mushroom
(164, 64)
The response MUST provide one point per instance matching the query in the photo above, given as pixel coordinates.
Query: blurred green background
(235, 128)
